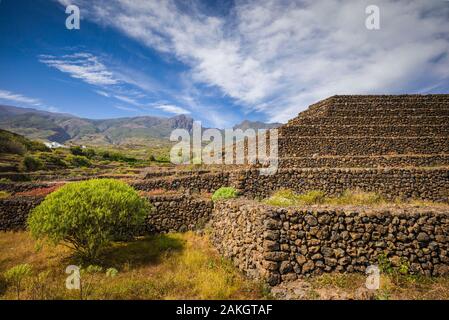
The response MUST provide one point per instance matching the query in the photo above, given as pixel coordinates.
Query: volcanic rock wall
(280, 244)
(171, 213)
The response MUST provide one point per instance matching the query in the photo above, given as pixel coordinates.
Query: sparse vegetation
(17, 144)
(171, 266)
(349, 197)
(287, 198)
(16, 275)
(31, 163)
(224, 193)
(79, 161)
(4, 194)
(87, 215)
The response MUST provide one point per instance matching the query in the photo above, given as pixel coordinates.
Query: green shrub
(224, 193)
(37, 146)
(16, 275)
(79, 161)
(117, 156)
(4, 194)
(111, 272)
(312, 197)
(90, 153)
(53, 159)
(12, 146)
(31, 163)
(76, 151)
(87, 215)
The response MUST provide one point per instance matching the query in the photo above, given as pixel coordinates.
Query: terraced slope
(369, 131)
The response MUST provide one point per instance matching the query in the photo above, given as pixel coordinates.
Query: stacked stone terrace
(369, 131)
(394, 145)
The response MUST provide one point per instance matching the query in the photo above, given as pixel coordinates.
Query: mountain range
(64, 128)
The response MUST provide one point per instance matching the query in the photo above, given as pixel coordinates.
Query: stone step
(309, 146)
(367, 130)
(373, 102)
(393, 121)
(432, 160)
(383, 112)
(411, 183)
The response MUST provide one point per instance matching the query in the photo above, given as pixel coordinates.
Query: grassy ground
(174, 266)
(392, 287)
(286, 197)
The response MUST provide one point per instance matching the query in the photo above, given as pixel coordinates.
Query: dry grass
(174, 266)
(392, 287)
(286, 198)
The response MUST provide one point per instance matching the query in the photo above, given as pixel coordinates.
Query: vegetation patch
(224, 193)
(4, 194)
(349, 197)
(170, 266)
(31, 163)
(87, 215)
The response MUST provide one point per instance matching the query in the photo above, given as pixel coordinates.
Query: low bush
(53, 159)
(76, 151)
(4, 194)
(16, 275)
(116, 156)
(88, 215)
(79, 161)
(224, 193)
(31, 163)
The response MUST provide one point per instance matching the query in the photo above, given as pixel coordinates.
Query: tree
(86, 216)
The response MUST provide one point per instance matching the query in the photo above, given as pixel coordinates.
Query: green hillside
(13, 143)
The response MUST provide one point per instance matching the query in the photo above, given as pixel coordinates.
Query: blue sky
(217, 61)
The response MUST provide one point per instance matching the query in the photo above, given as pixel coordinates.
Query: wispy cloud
(172, 109)
(84, 66)
(126, 108)
(17, 98)
(127, 100)
(276, 57)
(117, 83)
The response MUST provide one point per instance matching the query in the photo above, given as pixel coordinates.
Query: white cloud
(84, 66)
(125, 108)
(277, 57)
(172, 109)
(17, 98)
(127, 99)
(103, 93)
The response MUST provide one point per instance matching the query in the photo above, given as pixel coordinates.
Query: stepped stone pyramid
(394, 145)
(369, 131)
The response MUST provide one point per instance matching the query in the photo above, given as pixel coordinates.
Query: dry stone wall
(177, 213)
(280, 244)
(195, 182)
(308, 146)
(385, 161)
(427, 184)
(171, 213)
(14, 212)
(365, 130)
